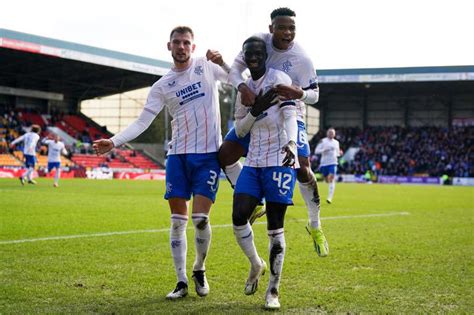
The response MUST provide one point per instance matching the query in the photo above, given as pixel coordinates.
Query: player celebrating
(330, 151)
(30, 140)
(55, 149)
(268, 168)
(286, 55)
(189, 90)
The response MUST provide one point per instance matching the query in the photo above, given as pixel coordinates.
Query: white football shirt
(329, 150)
(293, 61)
(30, 140)
(192, 99)
(54, 150)
(267, 135)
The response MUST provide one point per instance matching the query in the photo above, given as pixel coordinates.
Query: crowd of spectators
(432, 151)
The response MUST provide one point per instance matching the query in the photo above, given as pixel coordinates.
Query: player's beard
(176, 59)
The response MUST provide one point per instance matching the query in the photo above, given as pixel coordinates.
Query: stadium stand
(415, 151)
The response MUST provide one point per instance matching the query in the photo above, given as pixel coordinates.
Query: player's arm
(319, 148)
(152, 108)
(216, 57)
(291, 128)
(17, 140)
(262, 103)
(237, 79)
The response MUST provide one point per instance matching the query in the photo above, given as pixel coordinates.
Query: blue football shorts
(328, 169)
(192, 174)
(275, 184)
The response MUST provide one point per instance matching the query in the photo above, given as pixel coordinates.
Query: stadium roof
(77, 71)
(387, 75)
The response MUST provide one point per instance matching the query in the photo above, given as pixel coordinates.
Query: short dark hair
(254, 39)
(35, 128)
(182, 30)
(282, 12)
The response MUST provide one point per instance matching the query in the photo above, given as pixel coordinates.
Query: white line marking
(66, 237)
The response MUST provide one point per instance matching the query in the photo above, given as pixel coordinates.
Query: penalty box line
(67, 237)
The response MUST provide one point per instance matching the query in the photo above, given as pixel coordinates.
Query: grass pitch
(102, 247)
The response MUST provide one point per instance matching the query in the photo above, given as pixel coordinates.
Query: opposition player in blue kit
(189, 90)
(288, 56)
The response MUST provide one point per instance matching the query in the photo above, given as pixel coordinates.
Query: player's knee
(238, 217)
(201, 223)
(275, 215)
(229, 153)
(178, 227)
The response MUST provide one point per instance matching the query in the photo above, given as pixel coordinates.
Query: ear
(270, 28)
(169, 46)
(193, 47)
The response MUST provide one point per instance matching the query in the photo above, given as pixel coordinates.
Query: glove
(264, 102)
(290, 150)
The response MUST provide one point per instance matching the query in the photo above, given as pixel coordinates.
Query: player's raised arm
(216, 57)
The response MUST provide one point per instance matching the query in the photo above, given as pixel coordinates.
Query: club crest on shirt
(198, 70)
(286, 66)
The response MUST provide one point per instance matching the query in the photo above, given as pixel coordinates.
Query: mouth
(252, 64)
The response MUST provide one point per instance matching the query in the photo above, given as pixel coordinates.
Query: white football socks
(307, 192)
(202, 239)
(244, 236)
(57, 175)
(179, 245)
(277, 246)
(232, 172)
(331, 188)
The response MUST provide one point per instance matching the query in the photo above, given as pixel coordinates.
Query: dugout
(48, 74)
(407, 97)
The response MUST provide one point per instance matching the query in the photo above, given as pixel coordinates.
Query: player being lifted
(189, 90)
(30, 140)
(268, 170)
(330, 151)
(286, 55)
(55, 149)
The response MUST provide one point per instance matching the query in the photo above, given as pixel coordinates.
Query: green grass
(421, 262)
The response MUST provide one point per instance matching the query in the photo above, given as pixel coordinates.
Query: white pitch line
(66, 237)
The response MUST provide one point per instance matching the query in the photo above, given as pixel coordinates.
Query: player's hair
(282, 12)
(182, 30)
(35, 128)
(254, 39)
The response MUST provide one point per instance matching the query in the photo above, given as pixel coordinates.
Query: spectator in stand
(431, 151)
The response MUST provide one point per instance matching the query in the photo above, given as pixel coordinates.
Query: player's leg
(277, 247)
(230, 152)
(178, 192)
(30, 166)
(331, 179)
(205, 172)
(278, 185)
(57, 174)
(310, 193)
(246, 196)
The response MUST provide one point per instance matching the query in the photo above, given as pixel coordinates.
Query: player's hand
(247, 97)
(264, 102)
(102, 146)
(289, 92)
(215, 57)
(290, 150)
